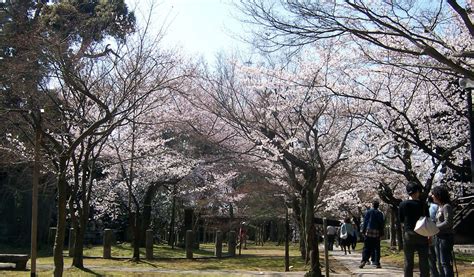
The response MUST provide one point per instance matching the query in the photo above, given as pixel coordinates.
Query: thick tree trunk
(146, 215)
(357, 219)
(302, 244)
(74, 221)
(311, 236)
(171, 238)
(145, 223)
(300, 215)
(61, 224)
(393, 229)
(78, 260)
(399, 232)
(72, 210)
(136, 236)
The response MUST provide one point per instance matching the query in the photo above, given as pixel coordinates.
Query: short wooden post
(232, 243)
(218, 249)
(107, 244)
(189, 244)
(149, 244)
(72, 240)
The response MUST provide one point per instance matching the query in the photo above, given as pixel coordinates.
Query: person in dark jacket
(372, 230)
(409, 212)
(445, 237)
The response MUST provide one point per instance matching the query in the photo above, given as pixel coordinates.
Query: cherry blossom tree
(95, 96)
(294, 121)
(438, 33)
(417, 125)
(63, 45)
(431, 42)
(142, 167)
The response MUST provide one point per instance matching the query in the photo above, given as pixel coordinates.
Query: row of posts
(108, 241)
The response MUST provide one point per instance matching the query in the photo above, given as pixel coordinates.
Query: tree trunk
(393, 229)
(74, 220)
(301, 211)
(299, 214)
(302, 244)
(72, 210)
(136, 236)
(311, 235)
(399, 232)
(146, 215)
(78, 260)
(171, 239)
(61, 224)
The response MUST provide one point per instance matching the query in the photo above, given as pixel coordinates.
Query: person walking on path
(372, 230)
(354, 236)
(409, 212)
(433, 209)
(445, 237)
(331, 233)
(346, 235)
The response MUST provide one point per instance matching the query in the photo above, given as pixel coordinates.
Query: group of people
(372, 230)
(346, 236)
(435, 253)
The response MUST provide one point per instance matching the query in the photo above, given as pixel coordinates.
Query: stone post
(51, 236)
(189, 244)
(218, 249)
(107, 243)
(232, 243)
(72, 239)
(149, 244)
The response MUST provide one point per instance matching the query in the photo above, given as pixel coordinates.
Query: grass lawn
(255, 258)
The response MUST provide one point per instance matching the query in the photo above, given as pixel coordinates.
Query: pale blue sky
(199, 26)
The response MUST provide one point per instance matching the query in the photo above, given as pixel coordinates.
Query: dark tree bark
(171, 238)
(393, 230)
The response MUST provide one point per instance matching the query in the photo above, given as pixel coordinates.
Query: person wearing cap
(372, 229)
(409, 212)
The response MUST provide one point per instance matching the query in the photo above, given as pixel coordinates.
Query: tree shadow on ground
(90, 271)
(147, 263)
